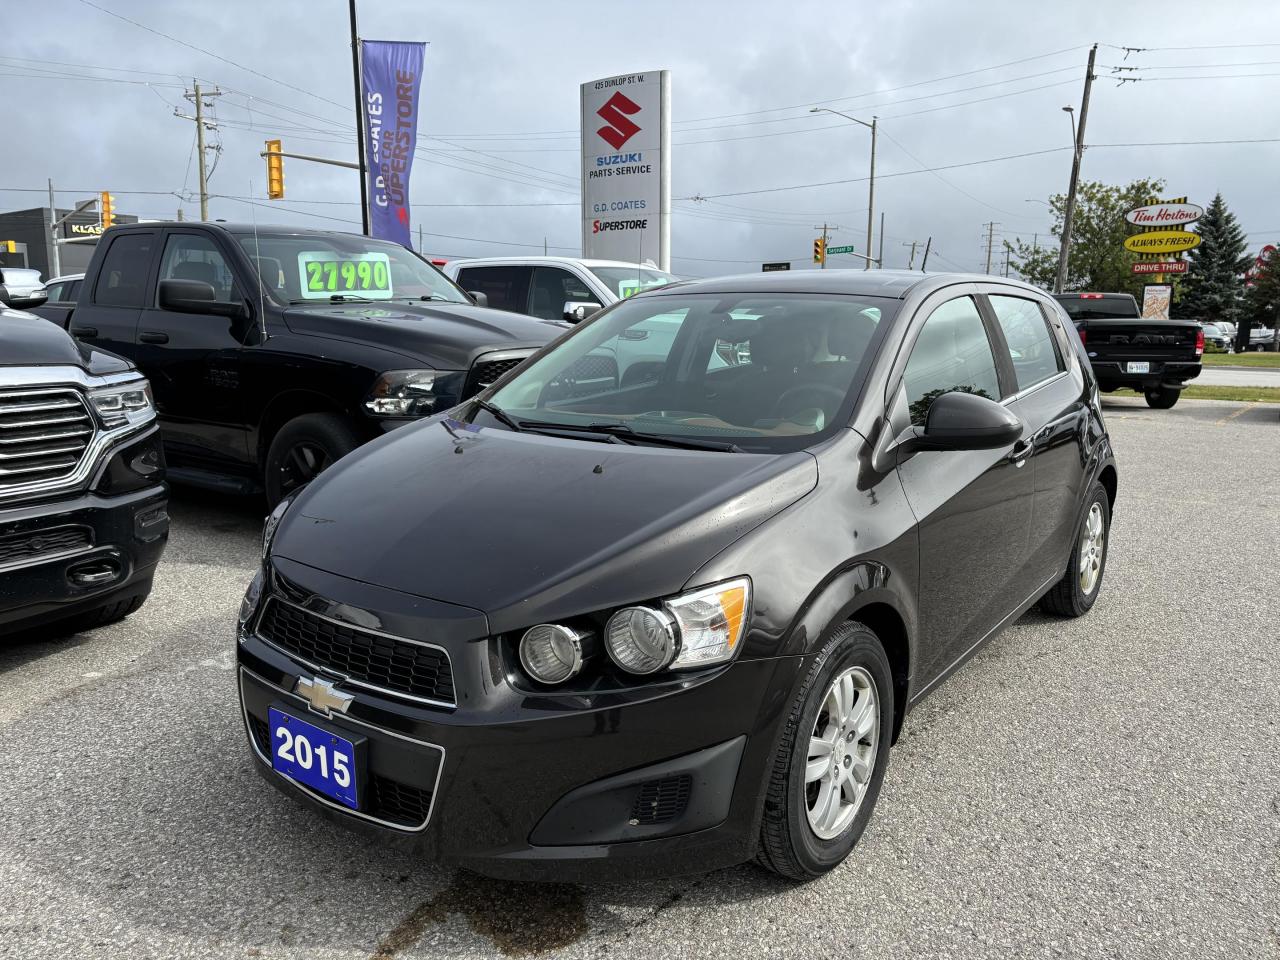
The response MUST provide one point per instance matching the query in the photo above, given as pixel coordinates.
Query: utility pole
(991, 233)
(928, 243)
(198, 96)
(1068, 214)
(55, 256)
(180, 217)
(913, 244)
(355, 75)
(871, 192)
(420, 238)
(880, 253)
(1007, 250)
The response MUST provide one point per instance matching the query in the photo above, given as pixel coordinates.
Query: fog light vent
(661, 801)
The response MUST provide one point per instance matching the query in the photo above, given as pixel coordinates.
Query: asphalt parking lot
(1103, 787)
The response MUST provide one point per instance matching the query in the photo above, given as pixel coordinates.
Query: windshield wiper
(497, 413)
(624, 433)
(347, 298)
(577, 429)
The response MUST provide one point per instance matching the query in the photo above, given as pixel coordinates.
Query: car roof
(871, 283)
(580, 261)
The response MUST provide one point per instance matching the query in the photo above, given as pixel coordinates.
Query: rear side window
(1032, 347)
(1098, 306)
(124, 271)
(951, 355)
(507, 288)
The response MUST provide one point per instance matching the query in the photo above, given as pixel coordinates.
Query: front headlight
(693, 630)
(711, 622)
(414, 393)
(126, 405)
(272, 522)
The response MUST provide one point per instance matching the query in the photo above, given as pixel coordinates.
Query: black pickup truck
(274, 351)
(1154, 357)
(83, 518)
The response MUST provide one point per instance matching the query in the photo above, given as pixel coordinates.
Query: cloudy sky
(89, 100)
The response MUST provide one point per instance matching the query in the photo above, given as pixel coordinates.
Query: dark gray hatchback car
(668, 612)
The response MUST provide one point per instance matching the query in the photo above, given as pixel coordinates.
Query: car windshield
(624, 281)
(762, 373)
(310, 267)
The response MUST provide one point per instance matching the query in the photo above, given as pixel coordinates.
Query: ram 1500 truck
(274, 351)
(83, 515)
(1154, 357)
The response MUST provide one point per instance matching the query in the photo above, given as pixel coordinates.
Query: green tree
(1262, 301)
(1214, 282)
(1098, 260)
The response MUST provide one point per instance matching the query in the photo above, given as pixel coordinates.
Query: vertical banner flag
(626, 168)
(391, 75)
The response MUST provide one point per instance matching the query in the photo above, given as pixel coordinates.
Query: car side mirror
(481, 299)
(967, 421)
(196, 296)
(22, 303)
(575, 311)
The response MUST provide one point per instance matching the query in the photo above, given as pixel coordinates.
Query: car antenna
(257, 268)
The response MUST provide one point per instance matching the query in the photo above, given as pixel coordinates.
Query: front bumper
(1111, 374)
(663, 779)
(81, 553)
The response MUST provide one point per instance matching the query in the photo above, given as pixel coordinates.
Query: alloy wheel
(1093, 543)
(842, 752)
(302, 464)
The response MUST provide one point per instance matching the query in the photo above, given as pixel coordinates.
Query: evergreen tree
(1214, 281)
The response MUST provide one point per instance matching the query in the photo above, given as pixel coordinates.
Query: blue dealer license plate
(315, 757)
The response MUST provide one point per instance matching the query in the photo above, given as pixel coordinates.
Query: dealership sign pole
(626, 168)
(392, 74)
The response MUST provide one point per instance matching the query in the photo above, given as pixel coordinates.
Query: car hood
(531, 528)
(447, 336)
(27, 340)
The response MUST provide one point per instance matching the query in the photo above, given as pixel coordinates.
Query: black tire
(788, 844)
(302, 449)
(102, 616)
(1067, 597)
(1162, 398)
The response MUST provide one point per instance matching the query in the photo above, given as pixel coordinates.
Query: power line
(208, 53)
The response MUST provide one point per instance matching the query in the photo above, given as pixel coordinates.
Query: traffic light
(106, 206)
(820, 250)
(8, 246)
(275, 171)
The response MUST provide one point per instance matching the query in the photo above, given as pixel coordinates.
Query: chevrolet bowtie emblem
(322, 695)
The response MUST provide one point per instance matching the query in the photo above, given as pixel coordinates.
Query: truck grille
(371, 659)
(490, 367)
(43, 435)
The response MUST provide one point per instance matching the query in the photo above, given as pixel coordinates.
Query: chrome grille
(44, 433)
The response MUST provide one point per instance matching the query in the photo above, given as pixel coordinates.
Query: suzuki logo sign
(620, 128)
(625, 137)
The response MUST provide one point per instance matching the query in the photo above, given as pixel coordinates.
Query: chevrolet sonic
(660, 599)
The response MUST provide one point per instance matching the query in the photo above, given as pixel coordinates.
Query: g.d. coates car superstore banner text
(626, 168)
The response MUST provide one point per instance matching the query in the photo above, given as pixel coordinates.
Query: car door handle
(1021, 450)
(150, 336)
(84, 331)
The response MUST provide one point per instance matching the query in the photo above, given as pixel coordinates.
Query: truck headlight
(120, 406)
(413, 393)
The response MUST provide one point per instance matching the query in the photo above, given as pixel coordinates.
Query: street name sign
(848, 249)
